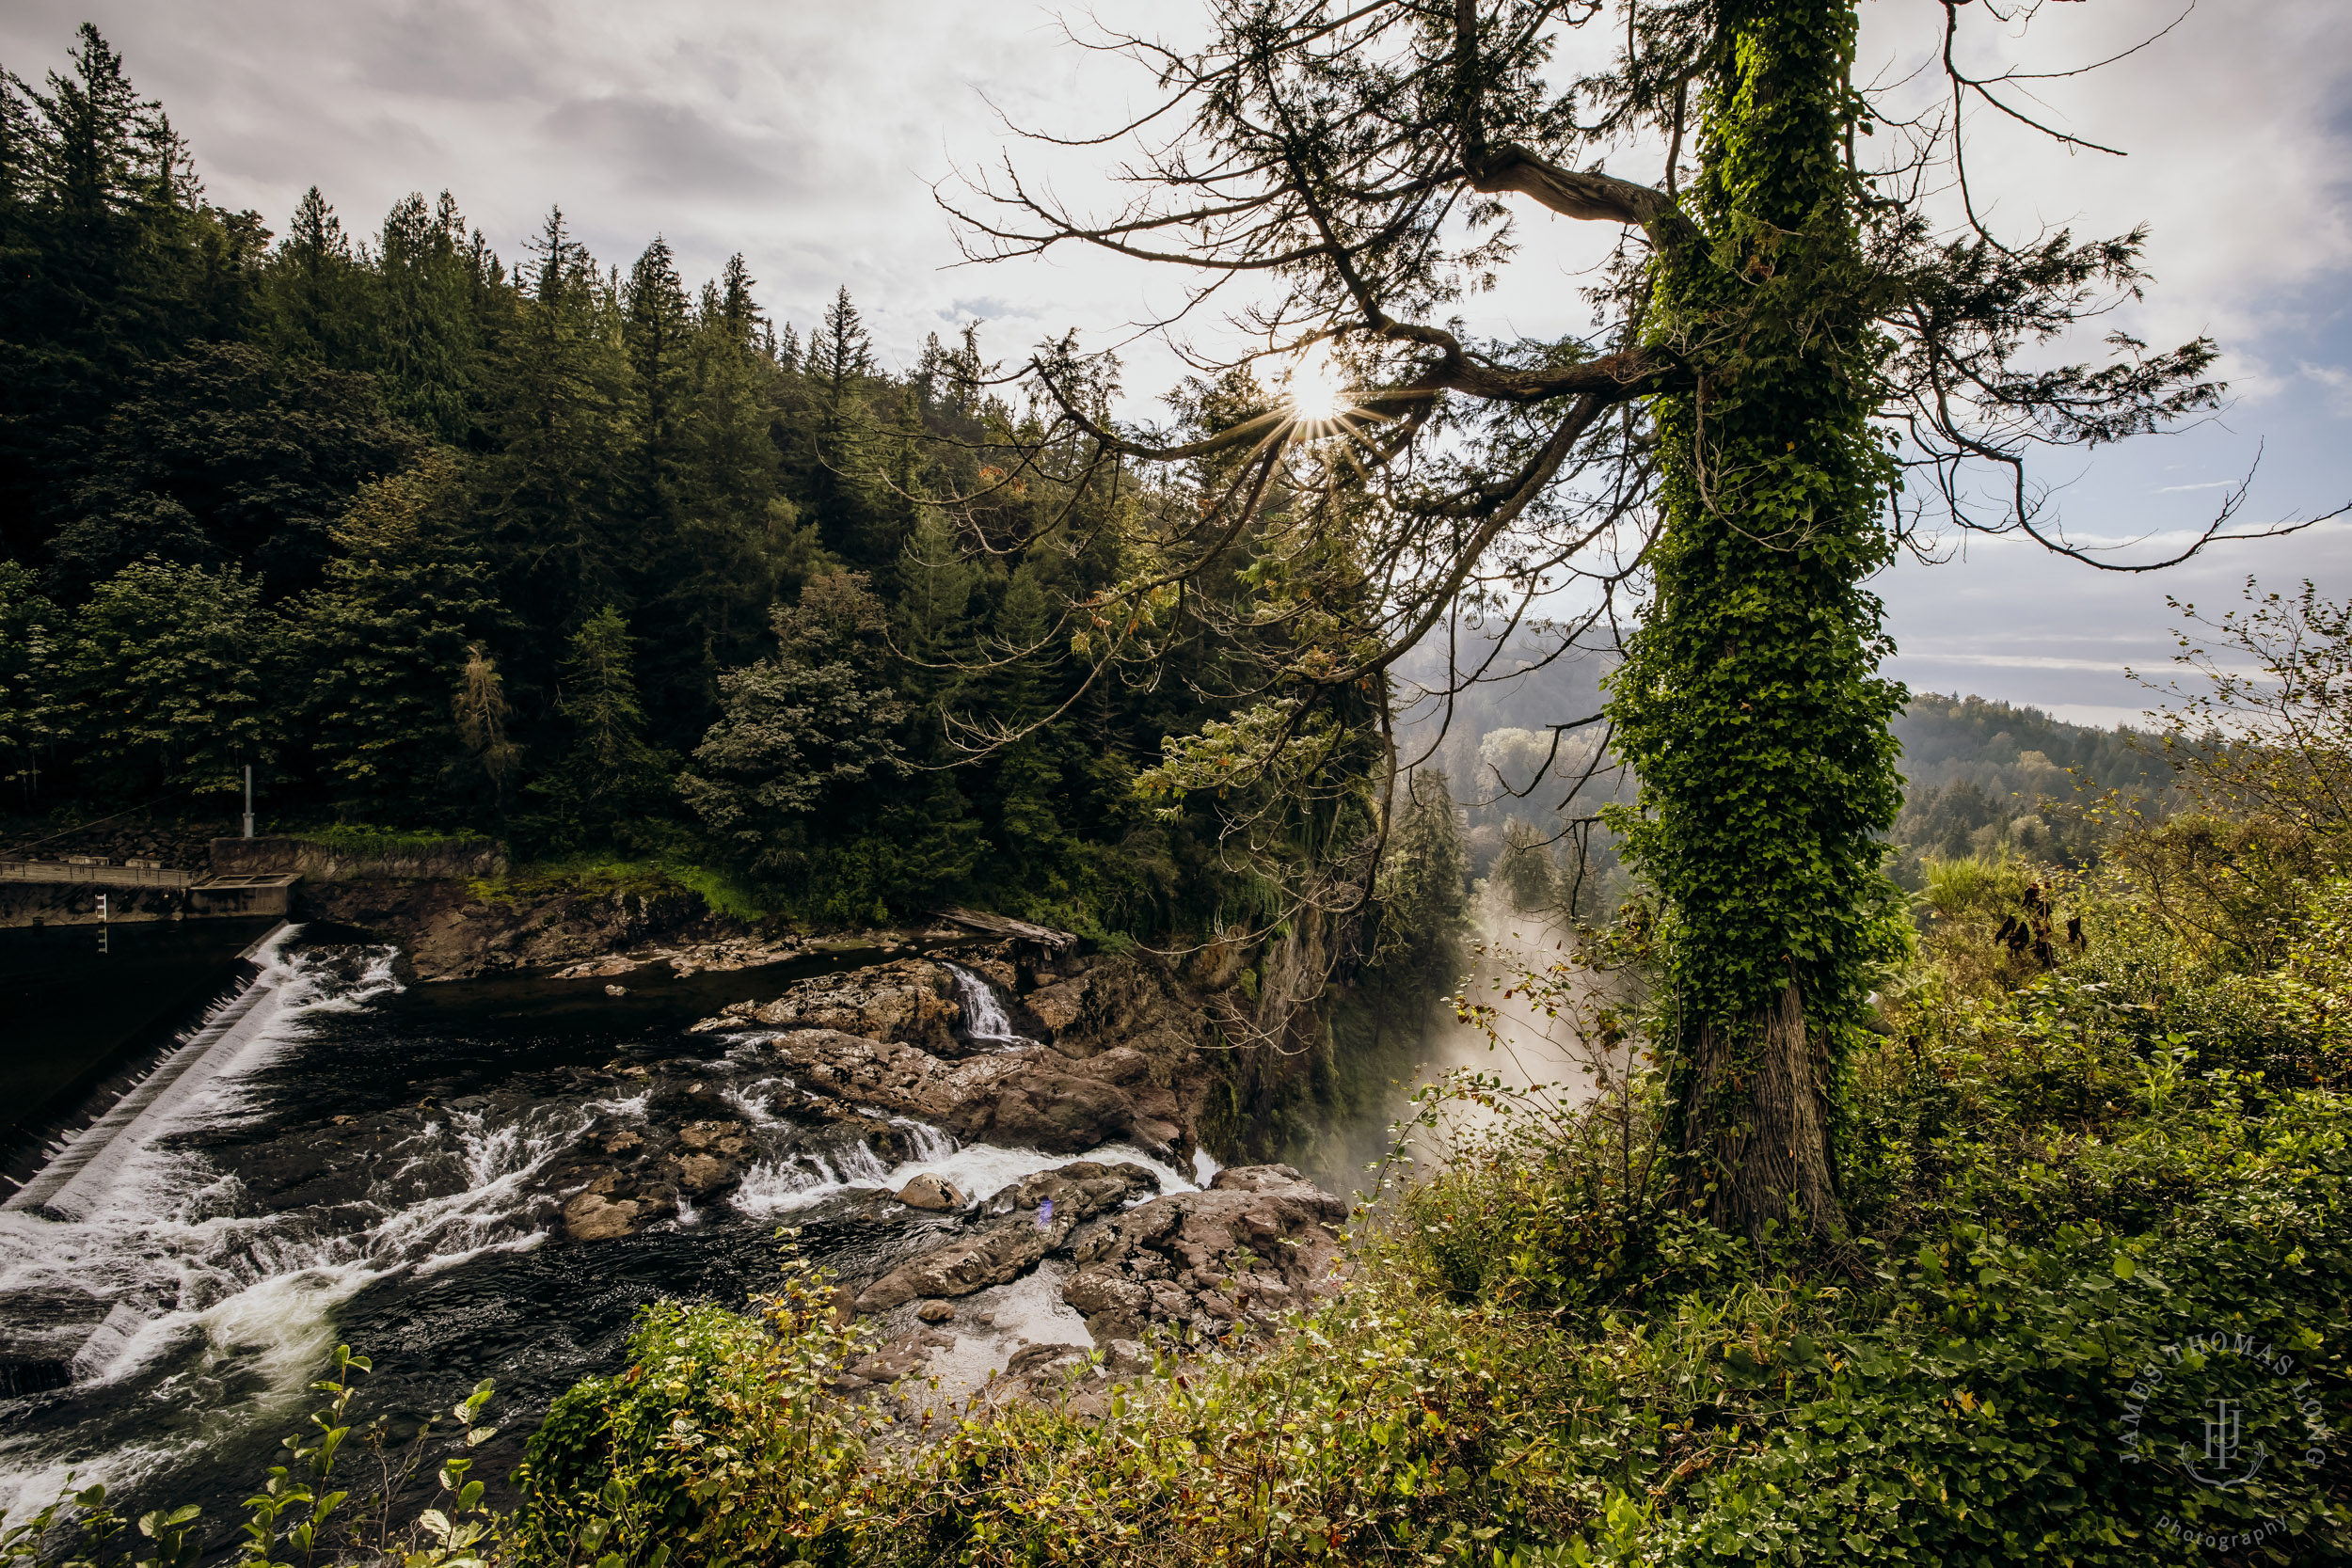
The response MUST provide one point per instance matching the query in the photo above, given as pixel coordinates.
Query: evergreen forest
(574, 551)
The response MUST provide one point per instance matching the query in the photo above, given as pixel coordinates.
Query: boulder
(936, 1312)
(1058, 1006)
(1029, 1096)
(592, 1217)
(1262, 1240)
(908, 1001)
(930, 1191)
(1015, 1244)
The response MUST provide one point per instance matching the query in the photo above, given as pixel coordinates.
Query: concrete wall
(76, 903)
(462, 859)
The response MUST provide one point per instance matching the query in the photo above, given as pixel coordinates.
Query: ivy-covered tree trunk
(1750, 701)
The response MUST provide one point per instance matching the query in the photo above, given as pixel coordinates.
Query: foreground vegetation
(2097, 1170)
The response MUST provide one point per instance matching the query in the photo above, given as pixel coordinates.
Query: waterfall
(985, 1019)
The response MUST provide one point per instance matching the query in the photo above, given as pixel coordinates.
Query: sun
(1317, 393)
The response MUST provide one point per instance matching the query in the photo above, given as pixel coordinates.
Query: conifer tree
(840, 361)
(172, 673)
(407, 596)
(608, 784)
(549, 491)
(1026, 805)
(655, 333)
(97, 272)
(935, 583)
(429, 340)
(314, 289)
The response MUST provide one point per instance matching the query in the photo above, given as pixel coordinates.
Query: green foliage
(224, 454)
(719, 1444)
(386, 640)
(298, 1517)
(610, 780)
(1984, 777)
(595, 875)
(172, 672)
(35, 640)
(1750, 702)
(443, 482)
(800, 728)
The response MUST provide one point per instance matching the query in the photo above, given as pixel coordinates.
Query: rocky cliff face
(447, 933)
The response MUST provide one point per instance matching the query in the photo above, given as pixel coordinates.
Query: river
(248, 1230)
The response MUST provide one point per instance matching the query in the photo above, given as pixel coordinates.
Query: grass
(352, 838)
(604, 875)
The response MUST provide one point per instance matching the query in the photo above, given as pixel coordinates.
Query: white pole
(248, 800)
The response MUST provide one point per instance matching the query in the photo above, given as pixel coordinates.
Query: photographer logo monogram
(2255, 1412)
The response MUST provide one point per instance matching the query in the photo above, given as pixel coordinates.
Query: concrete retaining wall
(76, 903)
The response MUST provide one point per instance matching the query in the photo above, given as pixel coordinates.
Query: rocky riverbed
(883, 1053)
(997, 1149)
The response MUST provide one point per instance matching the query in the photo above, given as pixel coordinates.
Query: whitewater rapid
(226, 1302)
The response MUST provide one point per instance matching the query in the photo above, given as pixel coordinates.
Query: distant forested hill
(1977, 772)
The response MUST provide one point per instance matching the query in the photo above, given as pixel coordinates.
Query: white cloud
(807, 136)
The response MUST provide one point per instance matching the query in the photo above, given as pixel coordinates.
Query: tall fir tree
(608, 786)
(408, 593)
(551, 491)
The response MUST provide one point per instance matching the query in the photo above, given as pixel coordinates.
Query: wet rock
(1029, 1096)
(1262, 1240)
(728, 953)
(616, 991)
(1032, 1359)
(931, 1192)
(590, 1217)
(721, 1137)
(704, 1173)
(936, 1312)
(1017, 1243)
(909, 1001)
(1058, 1005)
(904, 1356)
(447, 933)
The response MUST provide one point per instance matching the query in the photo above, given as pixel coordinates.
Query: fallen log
(1003, 926)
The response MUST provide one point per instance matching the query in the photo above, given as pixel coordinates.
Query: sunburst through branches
(1318, 392)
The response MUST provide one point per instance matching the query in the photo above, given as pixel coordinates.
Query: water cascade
(348, 1161)
(985, 1021)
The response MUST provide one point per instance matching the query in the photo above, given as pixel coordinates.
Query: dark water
(77, 1001)
(254, 1231)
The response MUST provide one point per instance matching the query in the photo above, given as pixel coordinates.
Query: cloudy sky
(809, 137)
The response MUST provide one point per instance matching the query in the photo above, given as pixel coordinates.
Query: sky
(810, 137)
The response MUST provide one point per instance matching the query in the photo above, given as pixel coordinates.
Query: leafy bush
(718, 1444)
